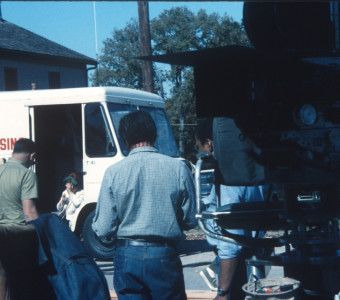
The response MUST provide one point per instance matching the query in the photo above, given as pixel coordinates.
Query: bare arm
(30, 210)
(227, 271)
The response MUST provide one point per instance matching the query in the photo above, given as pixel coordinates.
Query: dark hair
(204, 129)
(137, 127)
(24, 146)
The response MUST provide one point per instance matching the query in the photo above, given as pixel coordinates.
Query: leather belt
(125, 243)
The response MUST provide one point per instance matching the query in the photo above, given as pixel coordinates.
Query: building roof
(17, 40)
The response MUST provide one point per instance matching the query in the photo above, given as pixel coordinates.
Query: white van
(76, 130)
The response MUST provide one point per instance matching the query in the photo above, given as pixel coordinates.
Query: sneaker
(210, 278)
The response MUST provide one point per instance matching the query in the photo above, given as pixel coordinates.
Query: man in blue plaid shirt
(145, 202)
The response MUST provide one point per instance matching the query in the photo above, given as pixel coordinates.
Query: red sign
(7, 143)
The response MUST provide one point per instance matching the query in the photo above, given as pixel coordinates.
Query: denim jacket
(70, 270)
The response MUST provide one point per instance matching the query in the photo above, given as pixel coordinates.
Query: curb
(191, 294)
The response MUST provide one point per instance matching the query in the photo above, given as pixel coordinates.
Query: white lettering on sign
(8, 143)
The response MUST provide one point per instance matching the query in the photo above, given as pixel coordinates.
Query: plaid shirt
(146, 196)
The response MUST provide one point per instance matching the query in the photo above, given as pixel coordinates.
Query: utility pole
(145, 45)
(96, 39)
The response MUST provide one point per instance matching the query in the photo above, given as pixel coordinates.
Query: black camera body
(287, 105)
(276, 110)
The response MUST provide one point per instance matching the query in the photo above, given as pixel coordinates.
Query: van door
(99, 148)
(58, 134)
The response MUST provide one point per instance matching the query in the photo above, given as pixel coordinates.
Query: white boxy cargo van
(76, 130)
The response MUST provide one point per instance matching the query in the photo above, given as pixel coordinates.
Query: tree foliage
(181, 110)
(174, 30)
(118, 65)
(178, 30)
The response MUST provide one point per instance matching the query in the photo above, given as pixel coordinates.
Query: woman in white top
(71, 198)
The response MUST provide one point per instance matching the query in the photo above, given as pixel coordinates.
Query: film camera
(276, 110)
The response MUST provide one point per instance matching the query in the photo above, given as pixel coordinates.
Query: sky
(71, 23)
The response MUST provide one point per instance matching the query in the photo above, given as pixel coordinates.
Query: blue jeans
(145, 273)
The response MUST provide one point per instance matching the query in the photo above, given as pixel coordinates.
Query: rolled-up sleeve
(105, 221)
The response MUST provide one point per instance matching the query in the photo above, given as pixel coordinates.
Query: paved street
(195, 255)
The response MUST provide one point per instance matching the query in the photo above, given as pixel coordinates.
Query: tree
(178, 30)
(174, 30)
(182, 114)
(118, 65)
(217, 31)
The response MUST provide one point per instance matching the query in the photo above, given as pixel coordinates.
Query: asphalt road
(195, 255)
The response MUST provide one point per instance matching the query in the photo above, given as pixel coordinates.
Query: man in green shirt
(18, 186)
(18, 251)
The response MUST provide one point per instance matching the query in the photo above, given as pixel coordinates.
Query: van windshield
(165, 142)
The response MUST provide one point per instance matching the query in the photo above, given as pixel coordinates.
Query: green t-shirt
(17, 183)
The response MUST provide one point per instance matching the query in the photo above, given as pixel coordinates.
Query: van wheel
(98, 249)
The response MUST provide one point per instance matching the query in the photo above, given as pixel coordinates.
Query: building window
(11, 79)
(54, 80)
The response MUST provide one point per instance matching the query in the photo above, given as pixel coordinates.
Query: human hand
(70, 188)
(64, 198)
